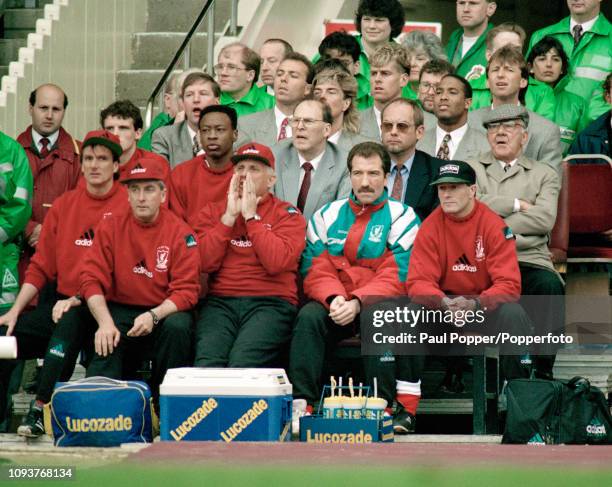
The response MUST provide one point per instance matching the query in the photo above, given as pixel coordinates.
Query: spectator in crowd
(539, 97)
(508, 76)
(439, 278)
(378, 22)
(586, 37)
(452, 137)
(422, 47)
(311, 170)
(357, 247)
(412, 170)
(429, 78)
(466, 46)
(390, 70)
(122, 118)
(237, 70)
(206, 178)
(595, 139)
(171, 108)
(15, 212)
(345, 48)
(251, 243)
(140, 279)
(548, 63)
(59, 327)
(337, 88)
(53, 155)
(271, 53)
(292, 83)
(181, 142)
(524, 193)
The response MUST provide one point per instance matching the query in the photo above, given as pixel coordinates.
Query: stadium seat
(559, 238)
(591, 200)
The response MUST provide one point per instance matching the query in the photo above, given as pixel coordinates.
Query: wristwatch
(255, 217)
(155, 317)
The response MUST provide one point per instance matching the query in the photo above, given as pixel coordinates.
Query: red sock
(39, 404)
(409, 401)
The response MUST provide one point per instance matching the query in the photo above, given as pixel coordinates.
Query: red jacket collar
(66, 146)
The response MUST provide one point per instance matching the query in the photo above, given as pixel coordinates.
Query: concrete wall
(79, 45)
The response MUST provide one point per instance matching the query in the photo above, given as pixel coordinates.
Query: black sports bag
(554, 412)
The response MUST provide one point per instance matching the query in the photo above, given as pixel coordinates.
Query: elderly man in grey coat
(524, 192)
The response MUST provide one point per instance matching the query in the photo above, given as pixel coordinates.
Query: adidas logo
(596, 430)
(536, 440)
(138, 169)
(141, 268)
(58, 351)
(463, 265)
(86, 239)
(243, 242)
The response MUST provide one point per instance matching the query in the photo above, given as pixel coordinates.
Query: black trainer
(33, 425)
(403, 422)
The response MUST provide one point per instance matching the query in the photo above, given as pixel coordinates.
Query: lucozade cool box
(207, 404)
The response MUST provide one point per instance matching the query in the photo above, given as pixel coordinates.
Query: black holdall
(555, 412)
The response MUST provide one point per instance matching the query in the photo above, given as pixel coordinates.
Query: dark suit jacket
(420, 196)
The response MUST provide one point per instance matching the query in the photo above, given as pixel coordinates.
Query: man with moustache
(358, 247)
(412, 170)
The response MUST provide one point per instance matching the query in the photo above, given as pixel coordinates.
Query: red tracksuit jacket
(194, 184)
(258, 258)
(474, 256)
(68, 234)
(142, 264)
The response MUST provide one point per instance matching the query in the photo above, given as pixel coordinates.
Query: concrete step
(22, 18)
(183, 14)
(9, 50)
(137, 84)
(154, 50)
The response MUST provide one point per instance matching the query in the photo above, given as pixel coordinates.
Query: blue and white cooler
(208, 404)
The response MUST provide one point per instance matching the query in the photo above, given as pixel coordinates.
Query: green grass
(117, 475)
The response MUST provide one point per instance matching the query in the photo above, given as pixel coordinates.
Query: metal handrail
(184, 46)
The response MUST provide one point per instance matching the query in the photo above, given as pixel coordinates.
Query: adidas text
(143, 270)
(464, 267)
(83, 242)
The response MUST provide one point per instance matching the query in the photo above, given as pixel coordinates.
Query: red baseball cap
(146, 169)
(255, 152)
(105, 138)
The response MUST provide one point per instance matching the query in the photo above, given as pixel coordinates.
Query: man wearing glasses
(311, 171)
(412, 170)
(429, 78)
(237, 71)
(524, 193)
(452, 138)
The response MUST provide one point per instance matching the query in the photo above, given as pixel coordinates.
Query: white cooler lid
(195, 381)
